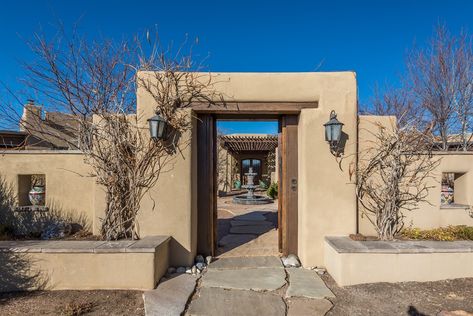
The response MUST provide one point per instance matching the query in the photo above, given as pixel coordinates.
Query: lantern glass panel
(161, 126)
(153, 128)
(328, 133)
(336, 132)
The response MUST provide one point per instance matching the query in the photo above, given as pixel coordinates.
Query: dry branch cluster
(95, 84)
(393, 176)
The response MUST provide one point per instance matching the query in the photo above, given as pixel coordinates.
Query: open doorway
(280, 216)
(247, 180)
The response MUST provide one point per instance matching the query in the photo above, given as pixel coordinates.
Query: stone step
(215, 301)
(306, 283)
(246, 262)
(170, 297)
(256, 279)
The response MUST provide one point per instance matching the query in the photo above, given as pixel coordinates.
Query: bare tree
(95, 83)
(393, 175)
(398, 102)
(441, 78)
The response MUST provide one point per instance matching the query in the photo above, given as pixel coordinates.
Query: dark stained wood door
(288, 185)
(206, 185)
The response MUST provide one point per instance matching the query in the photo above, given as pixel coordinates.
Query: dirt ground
(408, 298)
(72, 303)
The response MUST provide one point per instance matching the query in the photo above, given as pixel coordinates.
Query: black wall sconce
(333, 133)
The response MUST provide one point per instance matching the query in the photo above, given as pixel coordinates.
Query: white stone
(208, 260)
(320, 271)
(291, 261)
(194, 270)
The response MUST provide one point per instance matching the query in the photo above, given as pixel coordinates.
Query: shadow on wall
(18, 273)
(32, 224)
(17, 269)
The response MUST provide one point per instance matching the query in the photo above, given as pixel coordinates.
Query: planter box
(352, 262)
(81, 265)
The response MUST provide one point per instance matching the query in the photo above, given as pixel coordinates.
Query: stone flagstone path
(258, 286)
(246, 286)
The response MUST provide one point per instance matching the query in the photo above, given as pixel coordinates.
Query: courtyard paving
(246, 230)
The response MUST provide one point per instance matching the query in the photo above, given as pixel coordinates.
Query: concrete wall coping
(41, 152)
(148, 244)
(347, 245)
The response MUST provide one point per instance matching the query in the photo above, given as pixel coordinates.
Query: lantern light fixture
(157, 127)
(333, 131)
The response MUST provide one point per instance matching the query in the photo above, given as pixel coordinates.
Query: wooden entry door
(288, 185)
(206, 184)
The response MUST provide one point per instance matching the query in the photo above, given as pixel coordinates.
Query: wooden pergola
(249, 143)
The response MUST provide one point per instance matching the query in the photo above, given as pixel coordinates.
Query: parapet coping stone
(344, 244)
(147, 244)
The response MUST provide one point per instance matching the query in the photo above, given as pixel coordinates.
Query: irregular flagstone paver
(251, 217)
(250, 229)
(214, 301)
(235, 239)
(170, 297)
(246, 262)
(306, 283)
(244, 223)
(305, 307)
(257, 279)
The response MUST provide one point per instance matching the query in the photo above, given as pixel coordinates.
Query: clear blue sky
(369, 37)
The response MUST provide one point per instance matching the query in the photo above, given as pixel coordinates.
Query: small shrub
(273, 191)
(449, 233)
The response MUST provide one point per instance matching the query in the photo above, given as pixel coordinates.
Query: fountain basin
(251, 200)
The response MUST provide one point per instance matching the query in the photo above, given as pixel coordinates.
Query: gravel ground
(407, 298)
(72, 303)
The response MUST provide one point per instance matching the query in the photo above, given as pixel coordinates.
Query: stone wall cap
(146, 245)
(344, 244)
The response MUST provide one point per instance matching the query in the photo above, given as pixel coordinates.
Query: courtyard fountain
(250, 198)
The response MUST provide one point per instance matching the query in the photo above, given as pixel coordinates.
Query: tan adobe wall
(430, 214)
(69, 190)
(327, 204)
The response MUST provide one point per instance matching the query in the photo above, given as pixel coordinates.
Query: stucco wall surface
(430, 214)
(69, 189)
(327, 202)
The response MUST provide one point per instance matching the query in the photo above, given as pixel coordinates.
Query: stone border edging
(146, 245)
(347, 245)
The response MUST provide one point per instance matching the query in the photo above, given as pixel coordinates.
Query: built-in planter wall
(83, 265)
(352, 262)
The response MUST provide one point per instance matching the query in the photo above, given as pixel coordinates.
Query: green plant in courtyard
(273, 190)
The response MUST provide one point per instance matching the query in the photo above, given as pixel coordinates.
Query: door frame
(288, 117)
